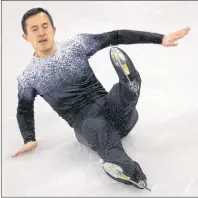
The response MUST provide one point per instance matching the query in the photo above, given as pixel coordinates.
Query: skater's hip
(96, 107)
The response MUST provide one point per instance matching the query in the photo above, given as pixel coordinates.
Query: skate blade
(117, 172)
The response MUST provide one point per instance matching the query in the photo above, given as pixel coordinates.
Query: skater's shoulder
(22, 80)
(27, 73)
(22, 77)
(73, 43)
(78, 38)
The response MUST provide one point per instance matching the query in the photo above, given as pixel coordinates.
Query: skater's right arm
(25, 117)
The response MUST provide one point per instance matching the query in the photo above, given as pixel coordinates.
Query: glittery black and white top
(65, 79)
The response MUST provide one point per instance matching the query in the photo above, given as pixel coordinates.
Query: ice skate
(124, 67)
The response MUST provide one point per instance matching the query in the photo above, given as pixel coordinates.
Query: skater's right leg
(98, 134)
(110, 149)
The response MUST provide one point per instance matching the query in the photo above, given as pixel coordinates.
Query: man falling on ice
(60, 73)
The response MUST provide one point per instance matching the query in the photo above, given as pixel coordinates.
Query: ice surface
(165, 139)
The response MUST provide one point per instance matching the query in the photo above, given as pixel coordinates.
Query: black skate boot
(124, 68)
(116, 172)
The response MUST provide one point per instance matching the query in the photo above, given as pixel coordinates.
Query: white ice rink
(165, 139)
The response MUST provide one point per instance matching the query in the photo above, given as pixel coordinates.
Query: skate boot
(124, 68)
(116, 172)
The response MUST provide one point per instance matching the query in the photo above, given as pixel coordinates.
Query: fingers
(27, 147)
(170, 39)
(187, 29)
(183, 31)
(175, 38)
(22, 150)
(180, 34)
(16, 154)
(172, 44)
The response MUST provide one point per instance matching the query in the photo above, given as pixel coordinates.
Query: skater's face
(40, 32)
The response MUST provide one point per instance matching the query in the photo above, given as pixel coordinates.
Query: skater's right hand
(26, 147)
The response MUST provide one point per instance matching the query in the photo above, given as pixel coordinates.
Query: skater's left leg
(123, 97)
(125, 94)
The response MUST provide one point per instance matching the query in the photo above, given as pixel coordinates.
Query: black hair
(32, 12)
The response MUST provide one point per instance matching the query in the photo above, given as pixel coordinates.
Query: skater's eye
(34, 28)
(45, 25)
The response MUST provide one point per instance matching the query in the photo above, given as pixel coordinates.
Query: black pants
(103, 123)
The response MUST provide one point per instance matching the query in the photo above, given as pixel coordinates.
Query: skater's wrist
(159, 38)
(30, 139)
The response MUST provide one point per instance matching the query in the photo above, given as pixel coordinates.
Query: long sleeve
(96, 42)
(25, 112)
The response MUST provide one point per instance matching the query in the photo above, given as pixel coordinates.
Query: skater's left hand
(169, 39)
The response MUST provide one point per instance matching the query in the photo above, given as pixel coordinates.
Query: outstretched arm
(95, 42)
(25, 117)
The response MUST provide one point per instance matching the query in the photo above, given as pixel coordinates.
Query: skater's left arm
(95, 42)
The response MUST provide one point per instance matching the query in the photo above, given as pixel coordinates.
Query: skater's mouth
(43, 40)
